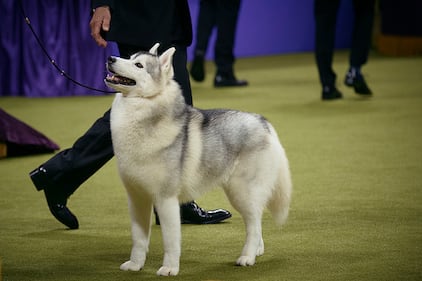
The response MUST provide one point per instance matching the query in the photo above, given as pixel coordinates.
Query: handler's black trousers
(325, 12)
(68, 169)
(222, 14)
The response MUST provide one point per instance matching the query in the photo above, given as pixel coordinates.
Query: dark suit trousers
(325, 12)
(69, 168)
(222, 14)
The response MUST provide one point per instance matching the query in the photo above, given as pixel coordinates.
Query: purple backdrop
(264, 28)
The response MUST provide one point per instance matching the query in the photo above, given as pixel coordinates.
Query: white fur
(146, 135)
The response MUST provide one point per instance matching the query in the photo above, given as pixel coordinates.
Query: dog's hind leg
(254, 244)
(140, 209)
(251, 209)
(169, 212)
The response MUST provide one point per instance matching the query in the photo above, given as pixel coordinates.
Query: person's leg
(60, 176)
(362, 32)
(325, 12)
(181, 74)
(205, 24)
(227, 16)
(361, 42)
(73, 166)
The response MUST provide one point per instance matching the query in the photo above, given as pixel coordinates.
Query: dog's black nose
(111, 59)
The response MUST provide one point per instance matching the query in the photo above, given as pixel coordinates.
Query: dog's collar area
(117, 79)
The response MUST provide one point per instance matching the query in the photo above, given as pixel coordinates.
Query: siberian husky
(169, 152)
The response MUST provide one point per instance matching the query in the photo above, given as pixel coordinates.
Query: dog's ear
(166, 62)
(153, 50)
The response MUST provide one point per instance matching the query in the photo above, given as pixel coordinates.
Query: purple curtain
(63, 28)
(264, 28)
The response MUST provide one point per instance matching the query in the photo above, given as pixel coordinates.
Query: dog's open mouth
(117, 79)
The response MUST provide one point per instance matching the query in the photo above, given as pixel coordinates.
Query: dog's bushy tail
(280, 200)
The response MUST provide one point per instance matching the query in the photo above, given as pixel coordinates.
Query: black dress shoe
(197, 69)
(55, 199)
(331, 93)
(191, 213)
(358, 83)
(61, 212)
(228, 81)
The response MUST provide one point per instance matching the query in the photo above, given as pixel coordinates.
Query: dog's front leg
(140, 209)
(168, 210)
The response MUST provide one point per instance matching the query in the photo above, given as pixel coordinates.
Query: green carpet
(357, 174)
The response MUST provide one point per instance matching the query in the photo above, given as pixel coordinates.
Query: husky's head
(144, 74)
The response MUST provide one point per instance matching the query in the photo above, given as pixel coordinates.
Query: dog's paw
(245, 261)
(130, 265)
(168, 271)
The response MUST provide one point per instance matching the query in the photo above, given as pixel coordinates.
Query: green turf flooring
(356, 166)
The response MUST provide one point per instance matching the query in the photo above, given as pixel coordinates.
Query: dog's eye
(138, 64)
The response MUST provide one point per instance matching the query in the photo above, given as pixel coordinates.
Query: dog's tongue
(113, 78)
(117, 79)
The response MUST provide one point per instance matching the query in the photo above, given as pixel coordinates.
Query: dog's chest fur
(141, 136)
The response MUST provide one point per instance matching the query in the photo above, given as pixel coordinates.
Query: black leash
(53, 62)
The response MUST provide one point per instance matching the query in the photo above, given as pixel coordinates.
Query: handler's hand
(100, 21)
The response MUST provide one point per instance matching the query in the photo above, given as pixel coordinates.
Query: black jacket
(145, 22)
